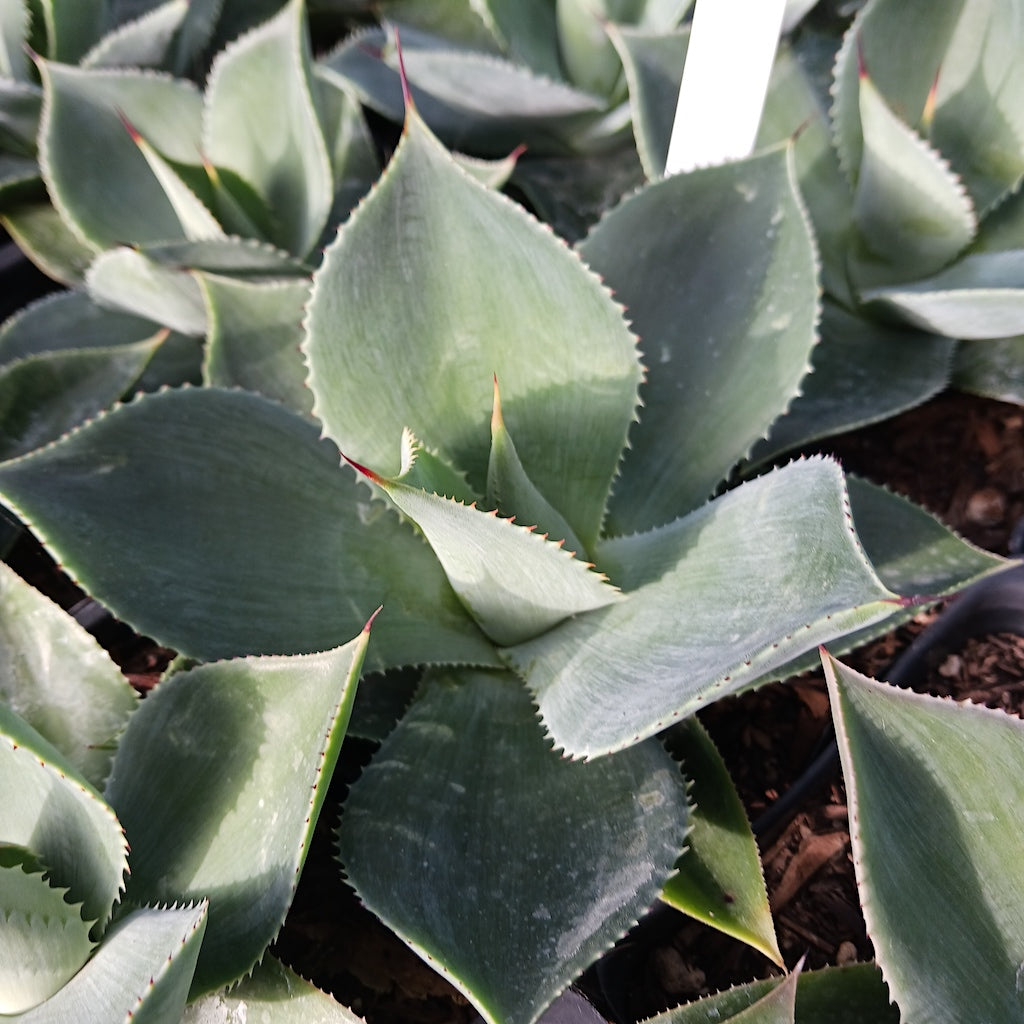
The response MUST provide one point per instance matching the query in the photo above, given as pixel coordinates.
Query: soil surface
(960, 457)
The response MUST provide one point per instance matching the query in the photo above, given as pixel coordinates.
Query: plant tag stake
(725, 80)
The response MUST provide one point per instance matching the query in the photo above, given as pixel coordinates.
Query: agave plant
(215, 783)
(205, 187)
(911, 171)
(172, 35)
(469, 455)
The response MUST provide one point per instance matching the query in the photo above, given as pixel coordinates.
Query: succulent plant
(912, 173)
(482, 386)
(147, 179)
(447, 412)
(214, 782)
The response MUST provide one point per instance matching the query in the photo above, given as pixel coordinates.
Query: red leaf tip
(369, 621)
(496, 418)
(136, 137)
(406, 92)
(362, 470)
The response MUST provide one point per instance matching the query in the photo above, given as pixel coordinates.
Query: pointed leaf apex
(928, 114)
(132, 131)
(406, 92)
(862, 68)
(370, 620)
(364, 471)
(497, 423)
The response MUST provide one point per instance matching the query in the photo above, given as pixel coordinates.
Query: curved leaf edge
(45, 166)
(413, 121)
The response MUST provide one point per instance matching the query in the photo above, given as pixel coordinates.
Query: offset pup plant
(214, 782)
(528, 499)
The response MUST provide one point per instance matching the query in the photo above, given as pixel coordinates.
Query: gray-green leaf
(58, 678)
(219, 780)
(935, 790)
(509, 868)
(719, 371)
(412, 334)
(711, 603)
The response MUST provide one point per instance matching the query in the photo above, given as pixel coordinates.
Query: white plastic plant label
(725, 80)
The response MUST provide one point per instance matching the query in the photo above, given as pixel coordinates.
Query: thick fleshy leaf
(141, 972)
(775, 1007)
(195, 220)
(71, 26)
(216, 522)
(14, 26)
(43, 939)
(127, 281)
(862, 371)
(835, 995)
(428, 470)
(527, 31)
(56, 677)
(219, 780)
(910, 209)
(239, 257)
(253, 342)
(272, 995)
(653, 62)
(45, 238)
(71, 320)
(936, 853)
(20, 109)
(464, 24)
(962, 88)
(261, 122)
(719, 881)
(515, 583)
(1003, 228)
(795, 111)
(588, 54)
(43, 396)
(492, 173)
(68, 320)
(914, 555)
(52, 811)
(979, 297)
(355, 165)
(472, 100)
(96, 175)
(993, 368)
(513, 493)
(482, 290)
(144, 42)
(719, 372)
(19, 180)
(473, 806)
(712, 602)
